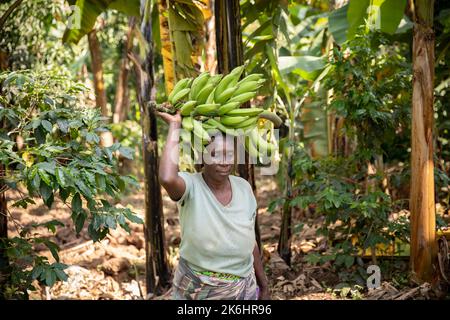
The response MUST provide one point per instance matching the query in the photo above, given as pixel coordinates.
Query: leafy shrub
(61, 156)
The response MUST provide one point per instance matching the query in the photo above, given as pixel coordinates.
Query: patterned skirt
(189, 285)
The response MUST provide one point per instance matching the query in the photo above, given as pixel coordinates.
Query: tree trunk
(120, 102)
(284, 241)
(210, 48)
(230, 54)
(99, 84)
(422, 203)
(4, 263)
(157, 270)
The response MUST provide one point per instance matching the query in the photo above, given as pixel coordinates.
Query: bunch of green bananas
(213, 103)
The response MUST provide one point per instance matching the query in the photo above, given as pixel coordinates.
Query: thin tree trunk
(99, 84)
(284, 241)
(230, 54)
(4, 263)
(210, 48)
(122, 80)
(422, 203)
(157, 270)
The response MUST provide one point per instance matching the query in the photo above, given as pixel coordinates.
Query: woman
(219, 257)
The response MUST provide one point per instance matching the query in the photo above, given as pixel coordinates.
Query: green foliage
(371, 82)
(378, 15)
(38, 39)
(354, 220)
(61, 157)
(85, 12)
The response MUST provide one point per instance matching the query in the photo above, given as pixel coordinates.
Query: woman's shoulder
(241, 182)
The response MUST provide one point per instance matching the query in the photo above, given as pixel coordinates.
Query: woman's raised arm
(168, 165)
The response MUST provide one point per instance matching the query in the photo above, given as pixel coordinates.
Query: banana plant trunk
(156, 266)
(230, 54)
(99, 83)
(422, 203)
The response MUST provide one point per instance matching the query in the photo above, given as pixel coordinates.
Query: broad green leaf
(356, 13)
(60, 177)
(392, 12)
(61, 274)
(76, 203)
(305, 66)
(92, 137)
(85, 13)
(53, 247)
(50, 277)
(338, 24)
(79, 222)
(45, 191)
(47, 125)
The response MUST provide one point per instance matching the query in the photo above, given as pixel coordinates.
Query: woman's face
(219, 159)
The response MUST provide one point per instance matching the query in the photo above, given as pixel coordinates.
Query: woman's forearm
(168, 166)
(261, 278)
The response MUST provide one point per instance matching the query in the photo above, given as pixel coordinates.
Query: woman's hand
(170, 118)
(264, 293)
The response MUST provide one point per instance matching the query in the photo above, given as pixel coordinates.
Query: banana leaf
(85, 14)
(382, 15)
(307, 67)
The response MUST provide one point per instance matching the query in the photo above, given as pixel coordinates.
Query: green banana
(206, 109)
(187, 107)
(185, 136)
(251, 77)
(228, 107)
(225, 95)
(215, 79)
(248, 122)
(198, 84)
(245, 112)
(187, 123)
(204, 93)
(247, 87)
(237, 72)
(251, 148)
(244, 97)
(224, 84)
(272, 117)
(180, 95)
(263, 146)
(210, 98)
(216, 124)
(199, 131)
(180, 85)
(232, 121)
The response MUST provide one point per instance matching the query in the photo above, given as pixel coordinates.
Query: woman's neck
(215, 184)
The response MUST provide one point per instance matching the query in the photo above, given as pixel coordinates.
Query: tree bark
(422, 203)
(99, 83)
(230, 54)
(120, 104)
(157, 270)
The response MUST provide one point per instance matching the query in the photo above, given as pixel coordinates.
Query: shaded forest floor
(114, 268)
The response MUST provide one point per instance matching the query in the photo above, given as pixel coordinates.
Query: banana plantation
(224, 149)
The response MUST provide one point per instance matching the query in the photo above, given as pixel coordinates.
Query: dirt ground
(114, 267)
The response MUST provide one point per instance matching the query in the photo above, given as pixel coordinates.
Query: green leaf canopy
(85, 13)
